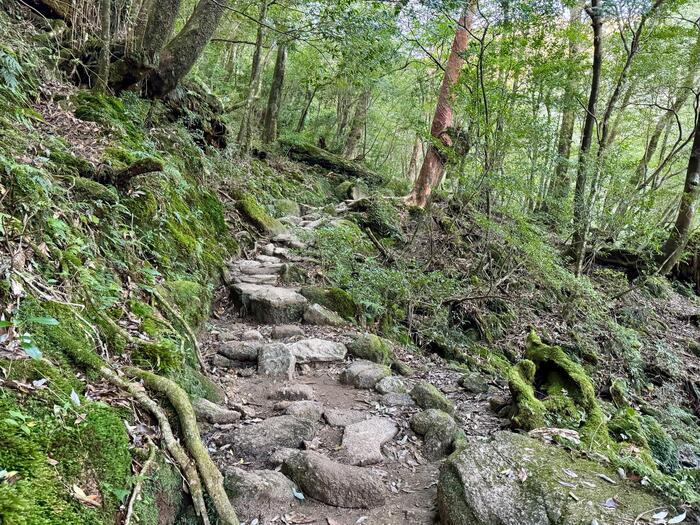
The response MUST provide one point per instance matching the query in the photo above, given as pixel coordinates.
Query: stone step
(364, 374)
(362, 441)
(317, 351)
(258, 493)
(270, 279)
(290, 240)
(270, 304)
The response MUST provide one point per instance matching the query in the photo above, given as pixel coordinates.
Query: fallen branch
(121, 178)
(209, 472)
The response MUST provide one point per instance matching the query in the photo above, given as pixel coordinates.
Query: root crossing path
(323, 423)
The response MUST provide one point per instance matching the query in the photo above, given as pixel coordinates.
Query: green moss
(334, 299)
(162, 497)
(426, 396)
(530, 411)
(190, 298)
(286, 208)
(372, 348)
(253, 212)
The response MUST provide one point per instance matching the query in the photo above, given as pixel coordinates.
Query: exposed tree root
(173, 446)
(145, 472)
(185, 326)
(209, 472)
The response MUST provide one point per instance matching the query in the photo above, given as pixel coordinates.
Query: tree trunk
(310, 94)
(433, 168)
(105, 51)
(273, 102)
(674, 246)
(182, 52)
(413, 164)
(580, 213)
(560, 185)
(244, 132)
(357, 127)
(156, 26)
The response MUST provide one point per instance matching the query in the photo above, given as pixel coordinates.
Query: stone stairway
(315, 429)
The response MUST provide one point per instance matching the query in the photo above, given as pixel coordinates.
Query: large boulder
(258, 492)
(260, 439)
(516, 480)
(317, 351)
(269, 304)
(364, 374)
(334, 483)
(438, 429)
(372, 348)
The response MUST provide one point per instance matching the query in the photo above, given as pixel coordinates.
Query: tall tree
(154, 27)
(412, 170)
(105, 51)
(358, 124)
(275, 98)
(182, 52)
(245, 131)
(580, 212)
(433, 168)
(672, 249)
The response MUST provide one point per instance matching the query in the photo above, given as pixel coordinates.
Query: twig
(145, 471)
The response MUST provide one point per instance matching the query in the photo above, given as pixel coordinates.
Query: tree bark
(182, 52)
(413, 164)
(357, 127)
(580, 213)
(433, 168)
(155, 27)
(672, 249)
(244, 132)
(310, 94)
(275, 98)
(105, 51)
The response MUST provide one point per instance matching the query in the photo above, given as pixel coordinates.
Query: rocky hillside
(189, 335)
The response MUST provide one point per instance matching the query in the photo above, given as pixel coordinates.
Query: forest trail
(297, 391)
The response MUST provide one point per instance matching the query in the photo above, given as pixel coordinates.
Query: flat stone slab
(391, 385)
(240, 350)
(254, 279)
(393, 399)
(362, 441)
(364, 374)
(258, 493)
(311, 410)
(276, 360)
(334, 483)
(342, 417)
(288, 239)
(293, 392)
(260, 439)
(210, 412)
(318, 315)
(285, 331)
(270, 304)
(317, 351)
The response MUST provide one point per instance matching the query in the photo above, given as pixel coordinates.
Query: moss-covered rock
(569, 397)
(334, 299)
(439, 430)
(427, 396)
(372, 348)
(248, 206)
(516, 479)
(287, 208)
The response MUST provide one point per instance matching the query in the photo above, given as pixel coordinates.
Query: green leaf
(31, 350)
(5, 324)
(48, 321)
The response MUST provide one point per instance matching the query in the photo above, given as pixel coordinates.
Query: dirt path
(311, 438)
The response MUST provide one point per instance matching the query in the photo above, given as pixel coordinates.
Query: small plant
(15, 337)
(21, 421)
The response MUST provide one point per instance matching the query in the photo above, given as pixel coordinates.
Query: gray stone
(321, 316)
(276, 360)
(364, 374)
(391, 385)
(219, 361)
(257, 268)
(426, 395)
(268, 249)
(401, 368)
(310, 410)
(362, 441)
(210, 412)
(260, 439)
(254, 279)
(438, 429)
(317, 351)
(289, 240)
(342, 417)
(482, 485)
(334, 483)
(240, 350)
(268, 259)
(294, 392)
(252, 335)
(258, 493)
(285, 331)
(474, 383)
(397, 400)
(270, 304)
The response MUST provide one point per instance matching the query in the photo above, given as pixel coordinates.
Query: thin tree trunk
(672, 249)
(413, 164)
(310, 94)
(357, 127)
(580, 213)
(153, 33)
(106, 37)
(182, 52)
(245, 132)
(433, 168)
(273, 102)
